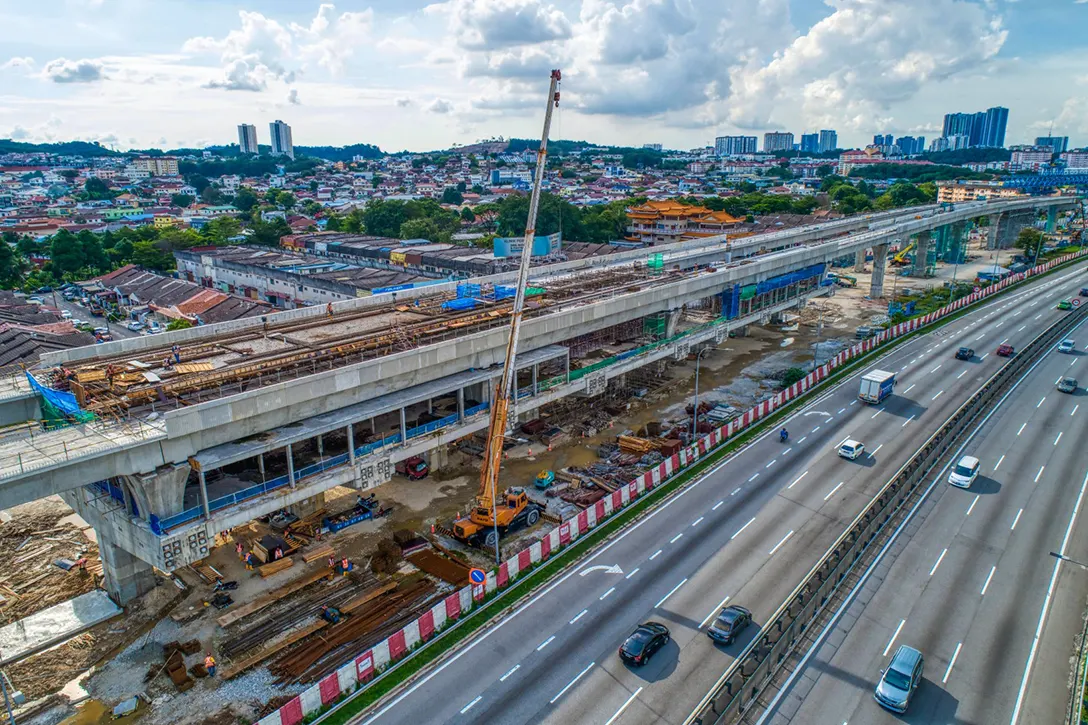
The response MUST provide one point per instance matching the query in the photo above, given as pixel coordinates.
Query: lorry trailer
(876, 386)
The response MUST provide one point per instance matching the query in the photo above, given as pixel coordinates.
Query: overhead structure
(489, 518)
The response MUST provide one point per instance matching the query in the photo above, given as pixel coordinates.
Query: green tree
(149, 256)
(467, 216)
(13, 267)
(94, 257)
(641, 159)
(220, 229)
(384, 218)
(245, 200)
(311, 207)
(286, 200)
(423, 229)
(271, 196)
(477, 189)
(450, 195)
(269, 233)
(333, 223)
(197, 181)
(461, 186)
(96, 189)
(1031, 240)
(182, 200)
(354, 222)
(211, 195)
(178, 325)
(66, 253)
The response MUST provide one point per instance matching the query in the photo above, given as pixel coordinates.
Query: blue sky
(407, 74)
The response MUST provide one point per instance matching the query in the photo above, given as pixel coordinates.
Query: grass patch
(537, 576)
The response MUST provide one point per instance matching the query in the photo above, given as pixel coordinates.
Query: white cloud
(440, 105)
(25, 62)
(62, 70)
(492, 24)
(403, 102)
(19, 134)
(251, 55)
(292, 97)
(330, 40)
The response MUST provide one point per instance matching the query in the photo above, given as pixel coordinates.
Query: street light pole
(1056, 555)
(819, 331)
(695, 410)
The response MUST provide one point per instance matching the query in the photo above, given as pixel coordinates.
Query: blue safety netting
(61, 402)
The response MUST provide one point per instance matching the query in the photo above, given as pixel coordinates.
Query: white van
(851, 449)
(965, 472)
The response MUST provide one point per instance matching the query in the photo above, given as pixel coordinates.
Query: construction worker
(176, 349)
(328, 309)
(330, 614)
(241, 551)
(82, 564)
(332, 562)
(249, 561)
(345, 566)
(209, 664)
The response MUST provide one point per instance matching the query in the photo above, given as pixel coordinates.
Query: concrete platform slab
(54, 625)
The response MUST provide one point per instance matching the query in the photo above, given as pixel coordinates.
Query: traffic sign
(977, 290)
(477, 576)
(1076, 302)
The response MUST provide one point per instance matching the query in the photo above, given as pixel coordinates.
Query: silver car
(898, 682)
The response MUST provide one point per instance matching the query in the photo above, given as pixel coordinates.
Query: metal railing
(740, 687)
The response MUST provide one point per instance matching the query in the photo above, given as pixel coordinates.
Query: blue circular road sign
(477, 576)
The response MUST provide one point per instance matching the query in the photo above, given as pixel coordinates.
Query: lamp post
(695, 410)
(819, 332)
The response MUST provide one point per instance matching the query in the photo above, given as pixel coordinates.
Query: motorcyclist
(783, 435)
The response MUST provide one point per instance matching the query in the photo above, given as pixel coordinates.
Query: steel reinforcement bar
(740, 688)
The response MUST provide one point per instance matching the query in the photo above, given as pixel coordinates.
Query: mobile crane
(492, 515)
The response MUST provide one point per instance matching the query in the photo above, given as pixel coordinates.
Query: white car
(135, 326)
(965, 472)
(1067, 346)
(851, 449)
(66, 314)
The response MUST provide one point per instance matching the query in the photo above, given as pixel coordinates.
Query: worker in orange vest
(345, 565)
(209, 665)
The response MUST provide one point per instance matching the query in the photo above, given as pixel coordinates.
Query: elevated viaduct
(203, 429)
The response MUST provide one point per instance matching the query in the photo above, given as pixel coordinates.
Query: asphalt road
(745, 533)
(80, 312)
(967, 582)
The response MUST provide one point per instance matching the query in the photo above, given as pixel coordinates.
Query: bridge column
(351, 456)
(126, 576)
(1011, 224)
(991, 231)
(921, 254)
(880, 261)
(859, 260)
(460, 404)
(1051, 219)
(403, 426)
(290, 467)
(672, 321)
(536, 378)
(161, 493)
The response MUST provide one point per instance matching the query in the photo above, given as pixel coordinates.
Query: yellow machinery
(492, 515)
(903, 258)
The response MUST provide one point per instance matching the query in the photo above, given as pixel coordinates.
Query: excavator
(493, 515)
(903, 258)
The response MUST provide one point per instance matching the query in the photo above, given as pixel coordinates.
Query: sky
(416, 75)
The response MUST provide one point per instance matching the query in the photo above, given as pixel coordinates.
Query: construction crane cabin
(490, 517)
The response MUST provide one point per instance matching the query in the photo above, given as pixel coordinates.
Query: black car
(648, 638)
(730, 622)
(1067, 385)
(1084, 291)
(965, 353)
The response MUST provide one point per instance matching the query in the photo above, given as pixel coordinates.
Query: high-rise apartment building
(281, 139)
(810, 143)
(986, 128)
(883, 140)
(776, 141)
(829, 141)
(247, 138)
(734, 145)
(652, 146)
(1060, 144)
(157, 165)
(911, 145)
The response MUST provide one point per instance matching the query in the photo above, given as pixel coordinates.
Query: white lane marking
(601, 598)
(718, 505)
(853, 401)
(1038, 316)
(787, 450)
(656, 554)
(468, 707)
(753, 478)
(1039, 474)
(875, 450)
(832, 491)
(665, 598)
(984, 357)
(545, 643)
(511, 671)
(676, 538)
(939, 393)
(909, 389)
(735, 491)
(773, 461)
(987, 584)
(571, 683)
(939, 560)
(972, 506)
(894, 635)
(1073, 412)
(902, 368)
(936, 369)
(1058, 438)
(814, 429)
(841, 411)
(1046, 606)
(802, 439)
(1021, 329)
(1003, 341)
(697, 521)
(779, 544)
(1040, 402)
(623, 707)
(633, 572)
(1022, 427)
(913, 361)
(877, 413)
(581, 614)
(980, 337)
(961, 375)
(797, 479)
(952, 662)
(1058, 380)
(742, 528)
(837, 445)
(713, 612)
(1016, 520)
(907, 421)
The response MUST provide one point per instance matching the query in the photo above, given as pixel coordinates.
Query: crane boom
(500, 403)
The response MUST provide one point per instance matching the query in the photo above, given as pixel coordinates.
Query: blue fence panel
(477, 409)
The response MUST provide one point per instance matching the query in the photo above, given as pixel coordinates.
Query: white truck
(876, 386)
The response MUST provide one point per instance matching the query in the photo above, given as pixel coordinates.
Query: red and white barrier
(367, 664)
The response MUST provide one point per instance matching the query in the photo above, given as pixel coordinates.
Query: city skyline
(410, 75)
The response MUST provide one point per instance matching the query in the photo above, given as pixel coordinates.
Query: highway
(746, 533)
(967, 582)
